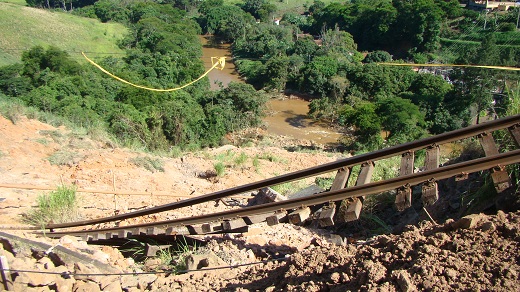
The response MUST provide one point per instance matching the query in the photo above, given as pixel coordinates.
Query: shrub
(148, 163)
(57, 207)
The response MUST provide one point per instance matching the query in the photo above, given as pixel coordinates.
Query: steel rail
(312, 171)
(475, 165)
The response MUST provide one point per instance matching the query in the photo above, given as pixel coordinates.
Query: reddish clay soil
(479, 252)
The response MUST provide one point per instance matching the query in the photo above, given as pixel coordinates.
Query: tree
(377, 57)
(277, 73)
(317, 73)
(260, 9)
(366, 122)
(402, 118)
(474, 87)
(417, 25)
(429, 91)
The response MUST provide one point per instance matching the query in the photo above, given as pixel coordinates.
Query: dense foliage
(162, 51)
(330, 52)
(319, 54)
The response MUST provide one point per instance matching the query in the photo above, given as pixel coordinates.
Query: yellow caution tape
(215, 61)
(451, 65)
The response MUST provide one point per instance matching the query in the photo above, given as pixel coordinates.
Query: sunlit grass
(56, 207)
(26, 27)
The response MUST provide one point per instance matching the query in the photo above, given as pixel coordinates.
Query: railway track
(340, 202)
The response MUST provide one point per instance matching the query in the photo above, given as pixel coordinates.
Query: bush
(59, 206)
(506, 26)
(149, 163)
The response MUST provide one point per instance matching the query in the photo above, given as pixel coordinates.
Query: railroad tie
(403, 199)
(350, 209)
(498, 174)
(430, 191)
(515, 133)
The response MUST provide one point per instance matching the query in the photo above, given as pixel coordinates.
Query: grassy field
(25, 27)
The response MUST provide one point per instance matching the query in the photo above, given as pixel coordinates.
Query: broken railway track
(349, 199)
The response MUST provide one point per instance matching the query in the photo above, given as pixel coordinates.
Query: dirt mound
(451, 256)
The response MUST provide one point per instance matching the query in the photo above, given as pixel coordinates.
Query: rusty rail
(448, 137)
(475, 165)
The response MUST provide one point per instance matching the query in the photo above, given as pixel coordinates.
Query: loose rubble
(477, 252)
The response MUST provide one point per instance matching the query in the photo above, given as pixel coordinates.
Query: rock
(468, 222)
(82, 286)
(113, 287)
(488, 226)
(47, 263)
(335, 277)
(383, 239)
(375, 271)
(129, 281)
(145, 280)
(338, 240)
(9, 256)
(210, 260)
(101, 256)
(22, 264)
(266, 195)
(35, 279)
(152, 264)
(108, 280)
(64, 285)
(73, 242)
(81, 271)
(403, 280)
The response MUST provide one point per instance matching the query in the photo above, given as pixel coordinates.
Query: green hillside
(24, 27)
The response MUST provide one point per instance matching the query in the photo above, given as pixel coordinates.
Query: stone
(35, 279)
(64, 285)
(468, 222)
(197, 262)
(82, 286)
(335, 277)
(129, 281)
(113, 287)
(403, 280)
(80, 268)
(108, 280)
(488, 226)
(47, 263)
(145, 280)
(22, 264)
(337, 240)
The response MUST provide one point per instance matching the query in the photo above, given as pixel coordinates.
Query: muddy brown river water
(287, 116)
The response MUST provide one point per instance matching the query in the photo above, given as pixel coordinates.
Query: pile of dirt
(477, 253)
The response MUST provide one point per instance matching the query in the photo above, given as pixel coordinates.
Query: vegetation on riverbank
(326, 49)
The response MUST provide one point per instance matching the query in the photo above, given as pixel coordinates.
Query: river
(286, 116)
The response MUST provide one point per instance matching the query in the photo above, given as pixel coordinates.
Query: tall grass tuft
(56, 207)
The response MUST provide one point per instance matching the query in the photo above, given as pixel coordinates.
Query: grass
(55, 135)
(290, 187)
(56, 207)
(148, 163)
(173, 257)
(62, 157)
(220, 168)
(60, 29)
(271, 157)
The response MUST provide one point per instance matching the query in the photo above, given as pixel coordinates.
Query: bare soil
(477, 253)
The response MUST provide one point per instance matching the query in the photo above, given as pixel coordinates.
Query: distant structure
(490, 5)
